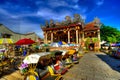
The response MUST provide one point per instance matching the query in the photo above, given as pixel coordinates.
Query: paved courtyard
(92, 66)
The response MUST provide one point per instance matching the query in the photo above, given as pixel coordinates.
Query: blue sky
(25, 16)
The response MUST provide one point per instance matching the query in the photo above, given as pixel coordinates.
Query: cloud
(50, 14)
(100, 2)
(29, 14)
(90, 5)
(57, 3)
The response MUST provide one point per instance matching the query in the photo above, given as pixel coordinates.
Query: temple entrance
(60, 36)
(91, 46)
(73, 36)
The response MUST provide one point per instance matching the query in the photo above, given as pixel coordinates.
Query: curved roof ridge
(16, 32)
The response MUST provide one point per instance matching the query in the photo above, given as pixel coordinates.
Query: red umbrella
(24, 42)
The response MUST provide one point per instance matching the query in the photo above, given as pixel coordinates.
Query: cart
(31, 72)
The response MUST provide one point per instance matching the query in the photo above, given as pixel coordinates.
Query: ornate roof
(61, 27)
(91, 27)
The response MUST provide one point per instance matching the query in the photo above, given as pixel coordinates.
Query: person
(118, 52)
(24, 51)
(41, 68)
(59, 67)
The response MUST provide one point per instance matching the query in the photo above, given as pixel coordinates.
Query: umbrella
(62, 42)
(55, 44)
(34, 58)
(6, 41)
(24, 42)
(117, 44)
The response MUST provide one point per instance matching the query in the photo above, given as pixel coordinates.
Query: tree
(109, 34)
(112, 39)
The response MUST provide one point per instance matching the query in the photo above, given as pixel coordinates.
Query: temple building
(72, 31)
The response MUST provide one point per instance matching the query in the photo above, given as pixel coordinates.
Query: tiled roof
(90, 26)
(61, 27)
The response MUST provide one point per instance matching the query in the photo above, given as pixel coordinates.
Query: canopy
(71, 51)
(45, 45)
(55, 44)
(34, 58)
(24, 42)
(64, 52)
(6, 41)
(114, 44)
(62, 42)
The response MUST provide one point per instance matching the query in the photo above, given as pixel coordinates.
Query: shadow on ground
(112, 62)
(7, 72)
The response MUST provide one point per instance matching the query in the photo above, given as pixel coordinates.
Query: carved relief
(47, 24)
(77, 18)
(52, 23)
(68, 20)
(97, 22)
(63, 23)
(57, 24)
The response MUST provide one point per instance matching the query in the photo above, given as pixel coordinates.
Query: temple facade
(72, 31)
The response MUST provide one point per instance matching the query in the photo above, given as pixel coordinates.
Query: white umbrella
(34, 58)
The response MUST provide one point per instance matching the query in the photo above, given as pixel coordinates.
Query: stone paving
(92, 67)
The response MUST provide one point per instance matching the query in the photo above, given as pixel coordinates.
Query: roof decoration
(68, 21)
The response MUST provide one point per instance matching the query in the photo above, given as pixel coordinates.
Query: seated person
(41, 68)
(75, 58)
(59, 67)
(66, 60)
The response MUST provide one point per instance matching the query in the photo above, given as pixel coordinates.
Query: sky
(24, 16)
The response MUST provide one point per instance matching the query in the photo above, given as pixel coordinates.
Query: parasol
(34, 58)
(6, 41)
(24, 41)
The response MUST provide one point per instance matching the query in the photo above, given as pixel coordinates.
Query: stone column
(99, 38)
(45, 37)
(79, 36)
(68, 36)
(76, 36)
(82, 35)
(51, 37)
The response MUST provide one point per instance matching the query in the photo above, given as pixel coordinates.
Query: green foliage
(109, 34)
(87, 43)
(94, 40)
(112, 39)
